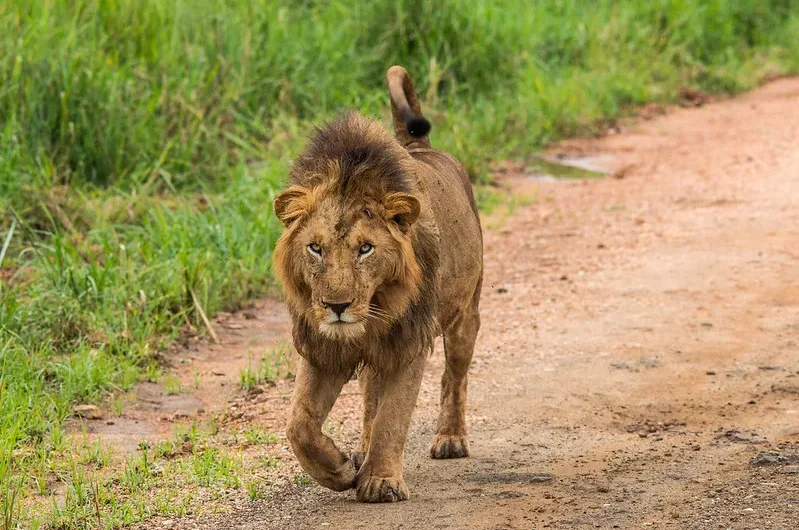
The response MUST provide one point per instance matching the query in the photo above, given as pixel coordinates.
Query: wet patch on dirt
(124, 434)
(566, 168)
(562, 166)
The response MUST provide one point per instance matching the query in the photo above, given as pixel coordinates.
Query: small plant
(134, 477)
(173, 385)
(96, 455)
(253, 490)
(212, 465)
(270, 461)
(145, 460)
(153, 373)
(193, 434)
(10, 505)
(40, 481)
(255, 436)
(169, 502)
(248, 379)
(213, 426)
(165, 449)
(271, 366)
(118, 405)
(300, 479)
(57, 439)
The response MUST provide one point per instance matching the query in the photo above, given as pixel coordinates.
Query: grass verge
(198, 472)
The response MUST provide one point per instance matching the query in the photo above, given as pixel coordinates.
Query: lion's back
(461, 244)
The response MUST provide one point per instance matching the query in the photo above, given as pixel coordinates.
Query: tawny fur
(387, 229)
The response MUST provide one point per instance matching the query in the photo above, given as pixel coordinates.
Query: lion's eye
(315, 249)
(365, 249)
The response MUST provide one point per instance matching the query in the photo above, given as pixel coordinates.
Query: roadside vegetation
(142, 143)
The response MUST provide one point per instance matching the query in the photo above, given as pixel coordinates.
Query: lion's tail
(409, 124)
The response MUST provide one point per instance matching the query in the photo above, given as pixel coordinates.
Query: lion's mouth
(343, 330)
(344, 319)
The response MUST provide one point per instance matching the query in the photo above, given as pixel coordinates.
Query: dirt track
(640, 347)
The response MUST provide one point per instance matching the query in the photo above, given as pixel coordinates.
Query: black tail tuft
(410, 127)
(418, 127)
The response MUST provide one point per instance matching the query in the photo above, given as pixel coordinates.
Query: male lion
(382, 252)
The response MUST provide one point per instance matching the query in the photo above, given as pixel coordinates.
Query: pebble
(766, 459)
(785, 389)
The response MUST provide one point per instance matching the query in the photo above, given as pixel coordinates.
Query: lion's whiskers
(377, 310)
(378, 315)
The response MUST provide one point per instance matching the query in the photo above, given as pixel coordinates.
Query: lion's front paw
(357, 459)
(345, 478)
(342, 479)
(449, 446)
(382, 489)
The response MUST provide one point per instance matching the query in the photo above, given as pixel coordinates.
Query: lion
(382, 252)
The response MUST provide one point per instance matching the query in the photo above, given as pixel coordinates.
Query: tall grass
(142, 141)
(105, 91)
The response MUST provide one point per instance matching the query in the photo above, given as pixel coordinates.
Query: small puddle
(548, 169)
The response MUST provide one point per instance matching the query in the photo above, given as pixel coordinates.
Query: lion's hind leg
(451, 440)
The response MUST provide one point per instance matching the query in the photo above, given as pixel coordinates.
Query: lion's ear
(402, 209)
(292, 204)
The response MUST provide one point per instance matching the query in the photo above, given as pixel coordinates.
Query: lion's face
(347, 267)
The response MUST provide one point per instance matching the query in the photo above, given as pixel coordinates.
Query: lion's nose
(337, 307)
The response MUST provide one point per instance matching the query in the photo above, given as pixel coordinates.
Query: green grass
(256, 436)
(142, 143)
(271, 366)
(173, 386)
(188, 474)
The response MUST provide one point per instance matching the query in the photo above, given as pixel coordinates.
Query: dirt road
(638, 364)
